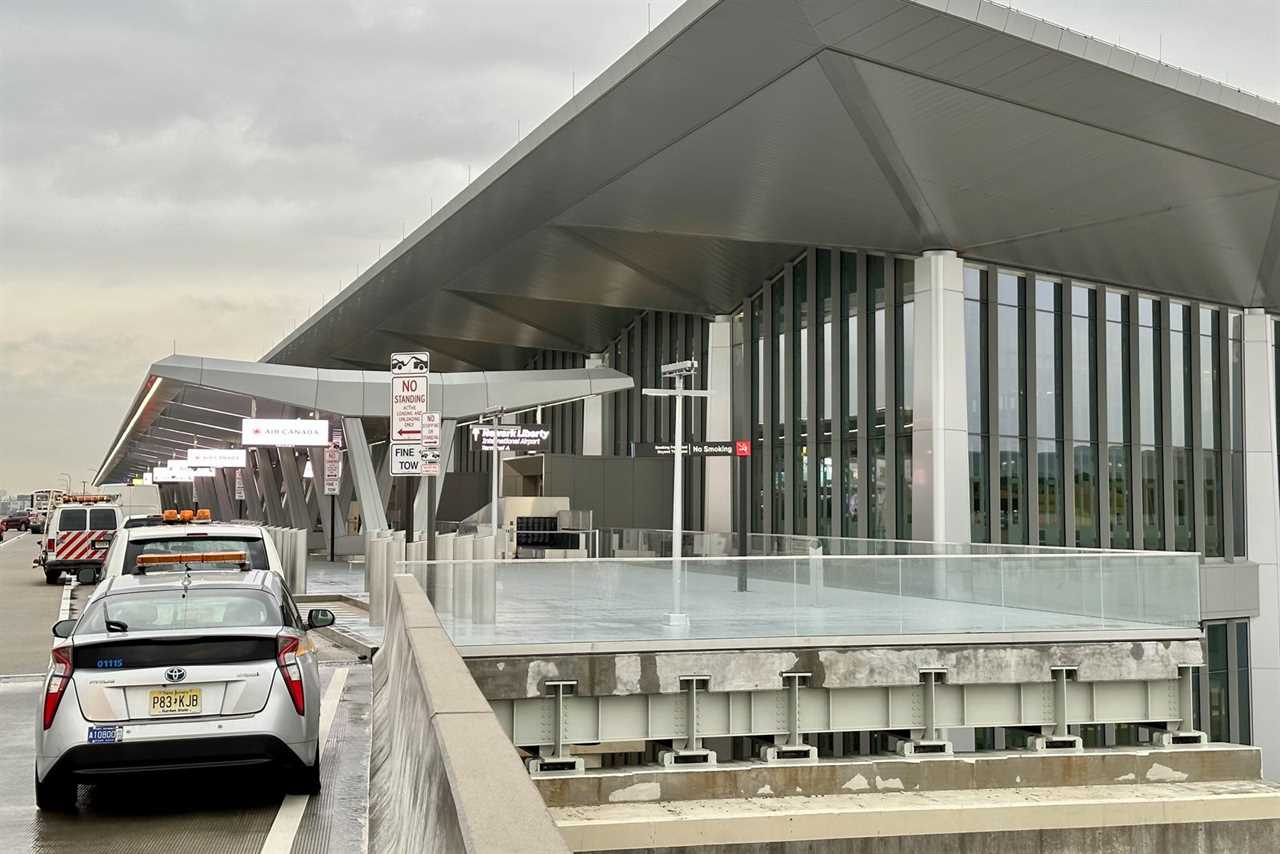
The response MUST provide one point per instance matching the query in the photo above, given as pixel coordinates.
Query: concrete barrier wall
(443, 776)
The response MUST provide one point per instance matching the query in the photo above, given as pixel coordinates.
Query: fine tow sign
(409, 372)
(332, 470)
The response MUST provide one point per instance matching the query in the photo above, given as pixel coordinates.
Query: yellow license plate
(175, 701)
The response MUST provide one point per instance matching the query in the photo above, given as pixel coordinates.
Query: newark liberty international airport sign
(526, 438)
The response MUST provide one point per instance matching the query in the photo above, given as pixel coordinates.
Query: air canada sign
(284, 432)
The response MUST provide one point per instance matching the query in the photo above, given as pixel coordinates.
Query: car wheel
(304, 780)
(52, 577)
(55, 794)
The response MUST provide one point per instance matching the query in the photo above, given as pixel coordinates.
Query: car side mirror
(88, 575)
(318, 618)
(63, 628)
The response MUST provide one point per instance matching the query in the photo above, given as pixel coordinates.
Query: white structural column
(717, 514)
(252, 498)
(226, 506)
(271, 506)
(295, 499)
(940, 432)
(372, 508)
(593, 416)
(1262, 526)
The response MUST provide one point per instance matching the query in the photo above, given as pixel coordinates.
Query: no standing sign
(408, 406)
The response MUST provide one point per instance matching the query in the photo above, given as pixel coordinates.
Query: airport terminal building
(959, 274)
(955, 273)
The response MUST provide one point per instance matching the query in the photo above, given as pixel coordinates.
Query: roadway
(227, 812)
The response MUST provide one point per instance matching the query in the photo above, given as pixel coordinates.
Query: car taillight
(58, 681)
(50, 546)
(291, 670)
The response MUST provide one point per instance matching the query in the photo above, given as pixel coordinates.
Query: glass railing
(618, 599)
(650, 542)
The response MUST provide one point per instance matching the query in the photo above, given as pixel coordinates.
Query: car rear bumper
(95, 761)
(71, 567)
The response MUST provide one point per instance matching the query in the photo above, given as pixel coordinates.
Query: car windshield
(159, 610)
(194, 544)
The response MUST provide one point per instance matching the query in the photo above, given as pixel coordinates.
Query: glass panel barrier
(628, 599)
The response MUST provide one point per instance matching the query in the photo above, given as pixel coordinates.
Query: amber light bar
(205, 557)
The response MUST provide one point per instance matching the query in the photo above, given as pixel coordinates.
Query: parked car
(180, 670)
(78, 537)
(208, 539)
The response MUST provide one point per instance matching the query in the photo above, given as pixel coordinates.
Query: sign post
(409, 397)
(240, 491)
(332, 482)
(677, 371)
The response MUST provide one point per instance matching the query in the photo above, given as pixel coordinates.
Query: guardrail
(291, 544)
(443, 775)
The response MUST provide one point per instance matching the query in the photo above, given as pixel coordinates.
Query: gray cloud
(210, 171)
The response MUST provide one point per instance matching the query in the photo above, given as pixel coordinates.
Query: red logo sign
(742, 447)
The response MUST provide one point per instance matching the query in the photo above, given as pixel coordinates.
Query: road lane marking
(289, 817)
(64, 610)
(14, 540)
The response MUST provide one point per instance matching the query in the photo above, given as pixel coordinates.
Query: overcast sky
(204, 174)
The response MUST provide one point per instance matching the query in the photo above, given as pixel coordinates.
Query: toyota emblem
(175, 674)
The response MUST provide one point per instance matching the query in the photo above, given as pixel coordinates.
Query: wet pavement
(28, 607)
(229, 811)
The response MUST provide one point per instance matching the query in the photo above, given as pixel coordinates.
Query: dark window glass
(1086, 495)
(1118, 490)
(102, 519)
(1049, 492)
(1183, 501)
(1212, 504)
(777, 406)
(877, 513)
(1219, 708)
(1084, 363)
(71, 520)
(800, 396)
(976, 392)
(757, 414)
(904, 490)
(1243, 697)
(854, 385)
(980, 523)
(1013, 466)
(877, 527)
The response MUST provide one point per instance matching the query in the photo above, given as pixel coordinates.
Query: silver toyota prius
(180, 667)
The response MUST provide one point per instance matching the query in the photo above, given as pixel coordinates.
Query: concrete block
(672, 758)
(1182, 738)
(546, 766)
(785, 754)
(905, 747)
(1055, 743)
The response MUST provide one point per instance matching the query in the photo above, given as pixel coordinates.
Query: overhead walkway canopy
(189, 401)
(739, 131)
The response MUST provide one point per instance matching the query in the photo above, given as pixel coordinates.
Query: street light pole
(678, 371)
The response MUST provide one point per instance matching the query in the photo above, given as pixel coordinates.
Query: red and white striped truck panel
(78, 545)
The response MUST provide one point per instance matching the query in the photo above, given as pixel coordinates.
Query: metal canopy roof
(741, 130)
(189, 402)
